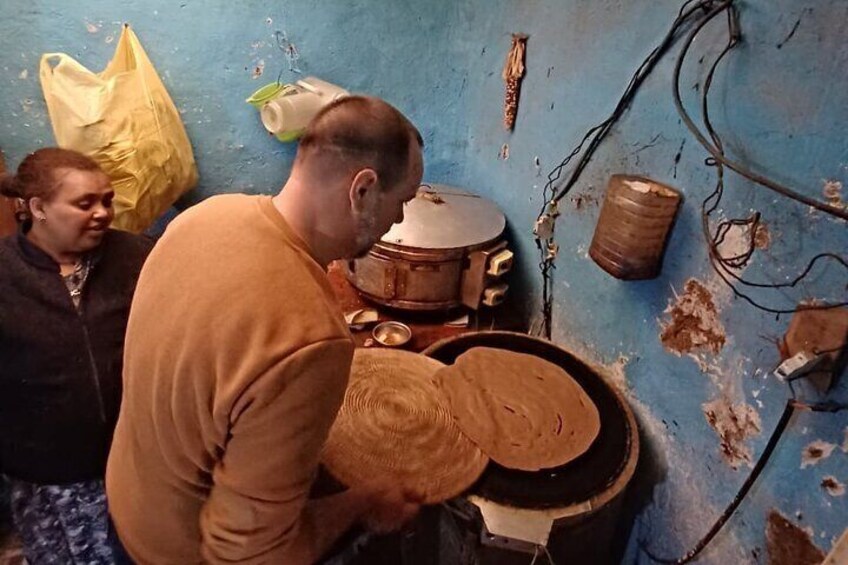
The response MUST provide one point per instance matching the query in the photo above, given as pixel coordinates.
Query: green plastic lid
(266, 93)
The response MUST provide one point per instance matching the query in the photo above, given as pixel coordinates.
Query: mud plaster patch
(788, 544)
(694, 324)
(832, 191)
(258, 70)
(832, 486)
(734, 423)
(815, 452)
(762, 237)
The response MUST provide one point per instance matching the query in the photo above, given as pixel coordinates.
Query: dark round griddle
(577, 481)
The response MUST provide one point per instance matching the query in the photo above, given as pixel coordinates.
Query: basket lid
(394, 427)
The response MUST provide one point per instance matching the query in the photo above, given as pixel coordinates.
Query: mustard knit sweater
(236, 362)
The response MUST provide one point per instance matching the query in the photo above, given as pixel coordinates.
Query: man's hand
(389, 509)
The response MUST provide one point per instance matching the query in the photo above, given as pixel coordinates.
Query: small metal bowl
(392, 334)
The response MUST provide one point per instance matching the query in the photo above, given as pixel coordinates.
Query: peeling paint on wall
(762, 237)
(581, 201)
(694, 323)
(503, 154)
(815, 452)
(789, 544)
(833, 486)
(845, 441)
(258, 69)
(832, 192)
(734, 424)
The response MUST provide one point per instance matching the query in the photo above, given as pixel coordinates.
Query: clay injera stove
(610, 459)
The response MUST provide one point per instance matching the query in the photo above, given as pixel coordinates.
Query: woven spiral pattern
(394, 427)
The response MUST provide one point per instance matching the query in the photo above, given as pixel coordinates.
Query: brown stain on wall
(833, 486)
(816, 451)
(582, 201)
(762, 237)
(788, 544)
(693, 323)
(734, 424)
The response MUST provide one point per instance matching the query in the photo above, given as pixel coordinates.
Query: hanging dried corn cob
(512, 73)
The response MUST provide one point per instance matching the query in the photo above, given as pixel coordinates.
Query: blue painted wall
(782, 110)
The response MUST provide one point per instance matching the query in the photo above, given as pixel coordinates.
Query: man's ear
(363, 189)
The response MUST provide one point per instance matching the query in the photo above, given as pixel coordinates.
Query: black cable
(774, 438)
(719, 155)
(724, 266)
(635, 82)
(594, 137)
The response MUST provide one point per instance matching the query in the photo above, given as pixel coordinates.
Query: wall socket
(814, 334)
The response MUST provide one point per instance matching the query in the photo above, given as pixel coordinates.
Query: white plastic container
(287, 115)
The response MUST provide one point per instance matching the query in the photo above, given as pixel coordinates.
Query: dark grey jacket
(60, 368)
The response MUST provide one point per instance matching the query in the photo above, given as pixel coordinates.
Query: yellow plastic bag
(124, 119)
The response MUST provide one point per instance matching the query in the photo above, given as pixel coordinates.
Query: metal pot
(449, 251)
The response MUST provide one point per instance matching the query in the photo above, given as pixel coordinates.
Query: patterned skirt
(62, 524)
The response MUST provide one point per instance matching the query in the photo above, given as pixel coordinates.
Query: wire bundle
(726, 267)
(694, 14)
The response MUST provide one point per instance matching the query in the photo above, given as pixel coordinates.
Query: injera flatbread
(394, 428)
(522, 411)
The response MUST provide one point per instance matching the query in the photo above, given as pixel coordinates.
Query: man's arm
(257, 510)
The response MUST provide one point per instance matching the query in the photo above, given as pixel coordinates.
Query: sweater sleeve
(254, 513)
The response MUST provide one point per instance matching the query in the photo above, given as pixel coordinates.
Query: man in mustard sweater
(237, 356)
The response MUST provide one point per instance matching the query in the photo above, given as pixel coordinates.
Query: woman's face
(77, 213)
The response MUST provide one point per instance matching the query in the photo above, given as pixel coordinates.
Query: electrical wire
(599, 132)
(725, 266)
(551, 195)
(791, 406)
(719, 155)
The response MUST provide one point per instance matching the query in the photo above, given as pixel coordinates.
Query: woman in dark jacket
(66, 283)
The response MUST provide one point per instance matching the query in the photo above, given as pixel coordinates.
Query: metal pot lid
(446, 217)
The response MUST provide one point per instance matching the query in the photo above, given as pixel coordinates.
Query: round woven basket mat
(522, 411)
(394, 427)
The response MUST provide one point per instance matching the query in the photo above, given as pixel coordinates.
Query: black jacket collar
(39, 258)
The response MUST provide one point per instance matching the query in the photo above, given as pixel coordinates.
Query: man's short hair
(360, 131)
